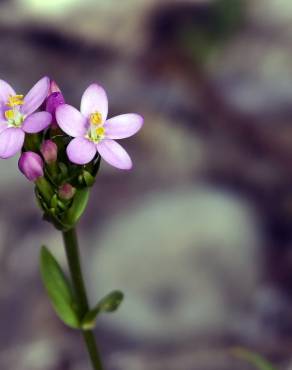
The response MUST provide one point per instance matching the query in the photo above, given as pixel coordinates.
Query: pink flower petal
(114, 154)
(37, 122)
(123, 126)
(81, 150)
(5, 91)
(2, 115)
(11, 141)
(94, 99)
(36, 96)
(3, 126)
(71, 120)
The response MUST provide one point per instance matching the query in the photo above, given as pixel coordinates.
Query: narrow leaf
(58, 289)
(109, 303)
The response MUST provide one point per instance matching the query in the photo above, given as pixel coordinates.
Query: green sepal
(61, 204)
(77, 208)
(58, 289)
(53, 219)
(32, 142)
(39, 200)
(54, 201)
(88, 178)
(109, 303)
(96, 166)
(45, 189)
(63, 169)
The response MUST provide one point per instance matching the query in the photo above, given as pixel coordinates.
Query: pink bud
(49, 151)
(54, 87)
(54, 99)
(66, 191)
(31, 165)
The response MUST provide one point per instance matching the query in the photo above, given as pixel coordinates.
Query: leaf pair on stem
(62, 296)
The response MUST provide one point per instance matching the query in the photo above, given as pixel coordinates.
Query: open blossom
(93, 132)
(17, 115)
(31, 165)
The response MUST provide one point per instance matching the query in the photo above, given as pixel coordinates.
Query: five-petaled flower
(17, 115)
(93, 132)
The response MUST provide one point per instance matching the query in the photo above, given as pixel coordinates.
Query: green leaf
(58, 289)
(77, 208)
(109, 303)
(253, 358)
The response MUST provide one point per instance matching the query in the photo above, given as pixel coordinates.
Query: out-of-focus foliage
(258, 361)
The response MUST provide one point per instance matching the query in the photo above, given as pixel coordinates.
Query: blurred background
(199, 234)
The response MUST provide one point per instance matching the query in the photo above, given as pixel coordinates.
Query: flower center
(95, 118)
(13, 115)
(96, 130)
(15, 100)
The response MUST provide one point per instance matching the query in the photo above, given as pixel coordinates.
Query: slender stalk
(72, 252)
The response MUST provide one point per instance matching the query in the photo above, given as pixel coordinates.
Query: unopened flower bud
(54, 99)
(31, 165)
(66, 191)
(49, 151)
(54, 87)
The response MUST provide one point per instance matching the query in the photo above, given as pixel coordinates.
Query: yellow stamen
(100, 131)
(14, 101)
(9, 114)
(95, 118)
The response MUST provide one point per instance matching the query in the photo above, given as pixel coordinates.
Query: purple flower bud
(54, 99)
(49, 151)
(31, 165)
(66, 191)
(54, 87)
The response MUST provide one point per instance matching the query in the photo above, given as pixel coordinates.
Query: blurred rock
(192, 359)
(100, 21)
(261, 83)
(188, 273)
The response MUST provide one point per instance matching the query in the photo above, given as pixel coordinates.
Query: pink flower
(93, 132)
(31, 165)
(17, 115)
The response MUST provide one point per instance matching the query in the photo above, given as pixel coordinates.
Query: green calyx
(63, 192)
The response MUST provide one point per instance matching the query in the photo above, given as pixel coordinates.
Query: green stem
(72, 252)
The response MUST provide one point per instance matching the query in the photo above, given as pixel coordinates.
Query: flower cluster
(61, 147)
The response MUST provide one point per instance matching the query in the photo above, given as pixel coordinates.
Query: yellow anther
(9, 114)
(15, 100)
(100, 131)
(95, 118)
